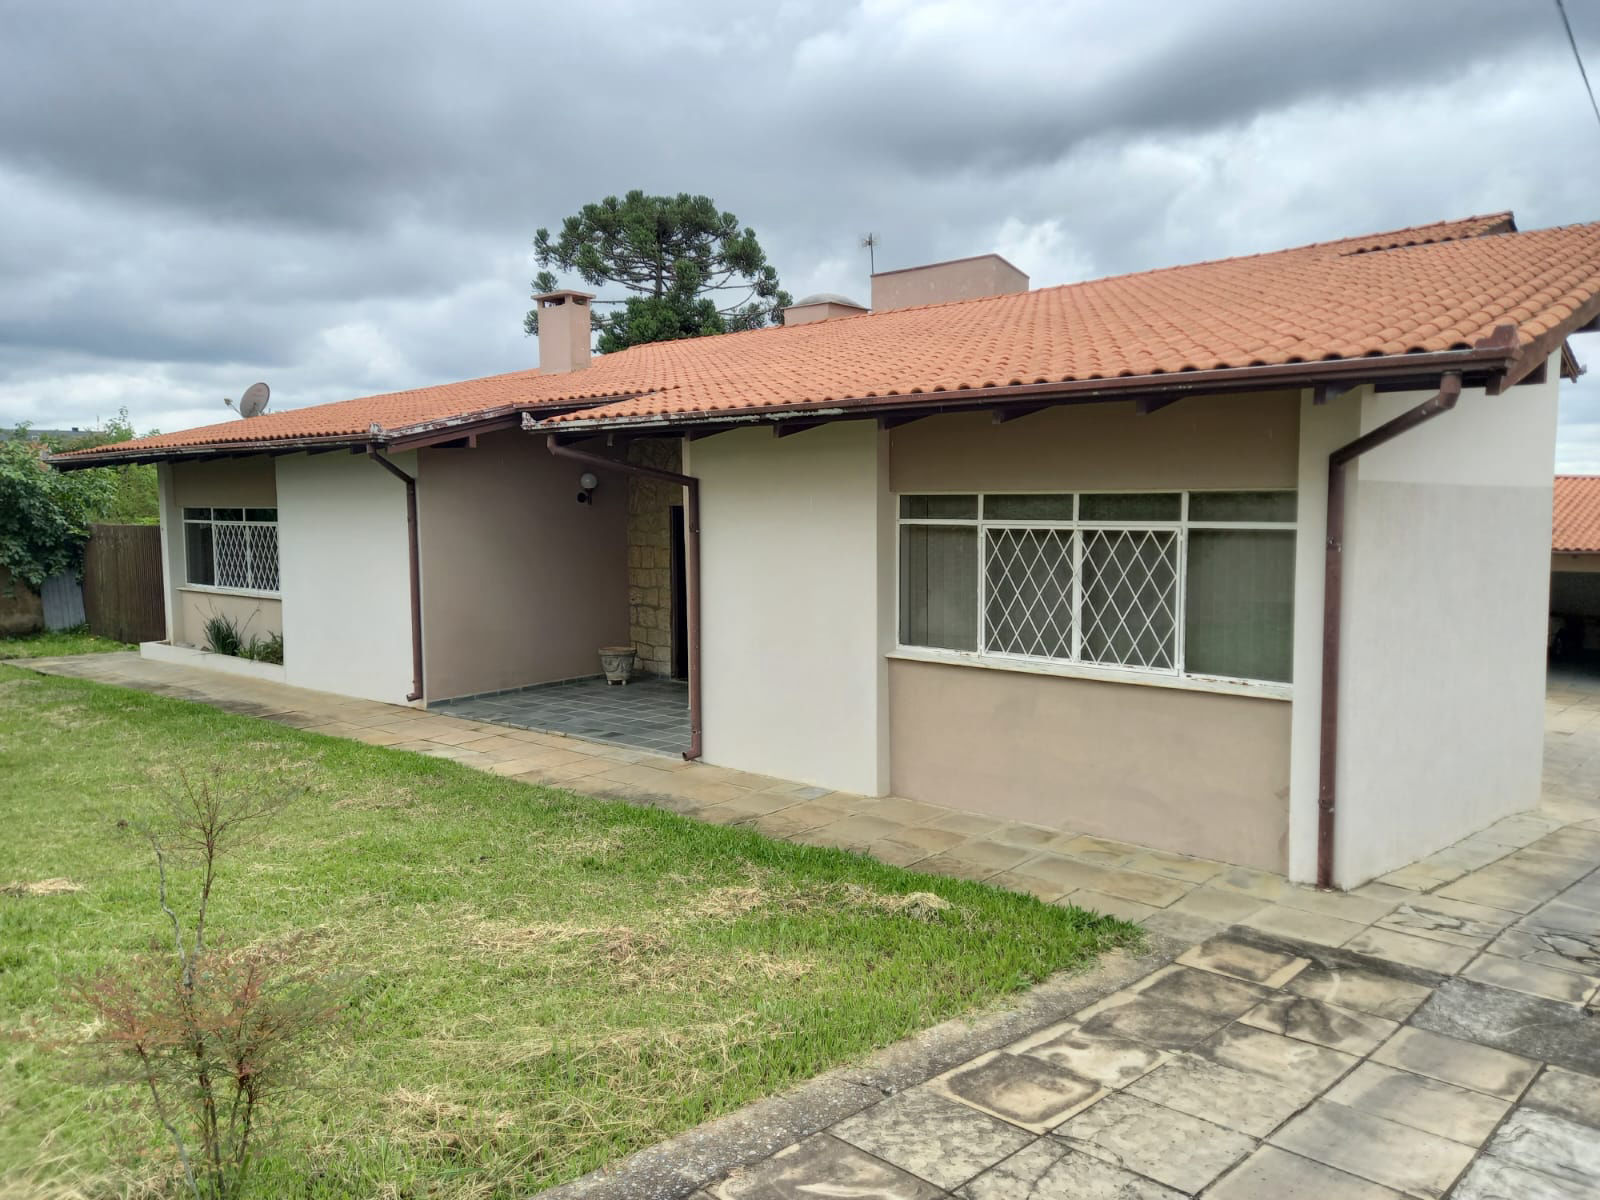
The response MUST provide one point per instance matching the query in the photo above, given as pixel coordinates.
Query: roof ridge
(1273, 309)
(1504, 214)
(1213, 262)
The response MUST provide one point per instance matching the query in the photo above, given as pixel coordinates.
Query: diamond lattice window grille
(233, 554)
(1130, 597)
(1028, 592)
(264, 557)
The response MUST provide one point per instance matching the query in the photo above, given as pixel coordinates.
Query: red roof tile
(1427, 288)
(1577, 515)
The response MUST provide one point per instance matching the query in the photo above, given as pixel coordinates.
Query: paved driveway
(1446, 1047)
(1429, 1034)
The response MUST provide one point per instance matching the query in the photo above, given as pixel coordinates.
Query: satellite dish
(254, 401)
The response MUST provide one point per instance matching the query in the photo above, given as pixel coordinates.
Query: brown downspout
(691, 538)
(1332, 597)
(416, 571)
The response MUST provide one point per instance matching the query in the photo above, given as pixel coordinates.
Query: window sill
(1024, 666)
(208, 590)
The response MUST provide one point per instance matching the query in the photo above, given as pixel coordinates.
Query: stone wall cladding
(650, 503)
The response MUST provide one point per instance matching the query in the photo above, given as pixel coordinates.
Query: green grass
(547, 981)
(58, 642)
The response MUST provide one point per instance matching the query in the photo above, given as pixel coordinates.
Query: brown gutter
(1332, 604)
(1489, 359)
(416, 569)
(691, 521)
(400, 438)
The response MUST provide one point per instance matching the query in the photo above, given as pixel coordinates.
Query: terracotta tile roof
(394, 410)
(1427, 288)
(1415, 235)
(1577, 515)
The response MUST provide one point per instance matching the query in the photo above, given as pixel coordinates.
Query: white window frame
(1077, 667)
(219, 589)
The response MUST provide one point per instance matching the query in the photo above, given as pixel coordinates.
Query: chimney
(824, 306)
(563, 331)
(937, 283)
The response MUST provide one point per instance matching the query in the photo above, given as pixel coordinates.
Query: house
(1575, 567)
(1245, 559)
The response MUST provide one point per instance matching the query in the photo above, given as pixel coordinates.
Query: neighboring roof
(392, 411)
(1416, 297)
(1577, 515)
(39, 435)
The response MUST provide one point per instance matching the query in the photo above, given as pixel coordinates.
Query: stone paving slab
(1430, 1031)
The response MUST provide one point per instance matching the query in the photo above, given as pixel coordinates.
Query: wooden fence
(122, 583)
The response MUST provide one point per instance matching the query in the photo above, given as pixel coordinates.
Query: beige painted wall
(256, 616)
(939, 283)
(521, 584)
(1192, 772)
(227, 483)
(1201, 442)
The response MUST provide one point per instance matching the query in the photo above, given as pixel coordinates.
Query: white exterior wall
(797, 580)
(344, 574)
(1446, 582)
(172, 563)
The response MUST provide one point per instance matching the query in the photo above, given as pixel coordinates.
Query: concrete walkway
(1426, 1035)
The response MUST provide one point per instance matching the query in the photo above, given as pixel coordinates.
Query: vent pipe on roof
(563, 331)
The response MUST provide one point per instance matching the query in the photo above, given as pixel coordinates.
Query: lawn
(545, 981)
(58, 642)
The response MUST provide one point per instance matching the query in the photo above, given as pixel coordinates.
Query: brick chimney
(563, 331)
(938, 283)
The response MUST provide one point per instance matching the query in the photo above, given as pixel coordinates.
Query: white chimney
(824, 306)
(563, 331)
(938, 283)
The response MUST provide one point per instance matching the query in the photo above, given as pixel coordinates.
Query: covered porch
(648, 713)
(530, 564)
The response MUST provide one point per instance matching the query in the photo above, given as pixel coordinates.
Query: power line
(1573, 42)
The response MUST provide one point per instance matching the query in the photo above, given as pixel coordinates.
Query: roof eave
(407, 437)
(1486, 363)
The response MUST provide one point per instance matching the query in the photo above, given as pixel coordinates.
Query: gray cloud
(340, 198)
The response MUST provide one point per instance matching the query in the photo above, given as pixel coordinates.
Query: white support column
(172, 561)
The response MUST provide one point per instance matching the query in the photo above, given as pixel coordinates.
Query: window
(1177, 583)
(234, 548)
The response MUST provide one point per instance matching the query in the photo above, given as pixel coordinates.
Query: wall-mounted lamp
(587, 483)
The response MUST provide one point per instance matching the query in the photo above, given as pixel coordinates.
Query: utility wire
(1573, 42)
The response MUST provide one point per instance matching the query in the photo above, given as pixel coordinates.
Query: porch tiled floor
(1439, 1020)
(647, 714)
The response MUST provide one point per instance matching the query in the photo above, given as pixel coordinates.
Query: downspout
(1332, 603)
(691, 538)
(416, 571)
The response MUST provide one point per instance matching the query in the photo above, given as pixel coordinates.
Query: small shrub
(223, 635)
(207, 1036)
(267, 649)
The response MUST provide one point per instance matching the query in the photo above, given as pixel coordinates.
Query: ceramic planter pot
(617, 662)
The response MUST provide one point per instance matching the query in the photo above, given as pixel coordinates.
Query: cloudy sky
(340, 198)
